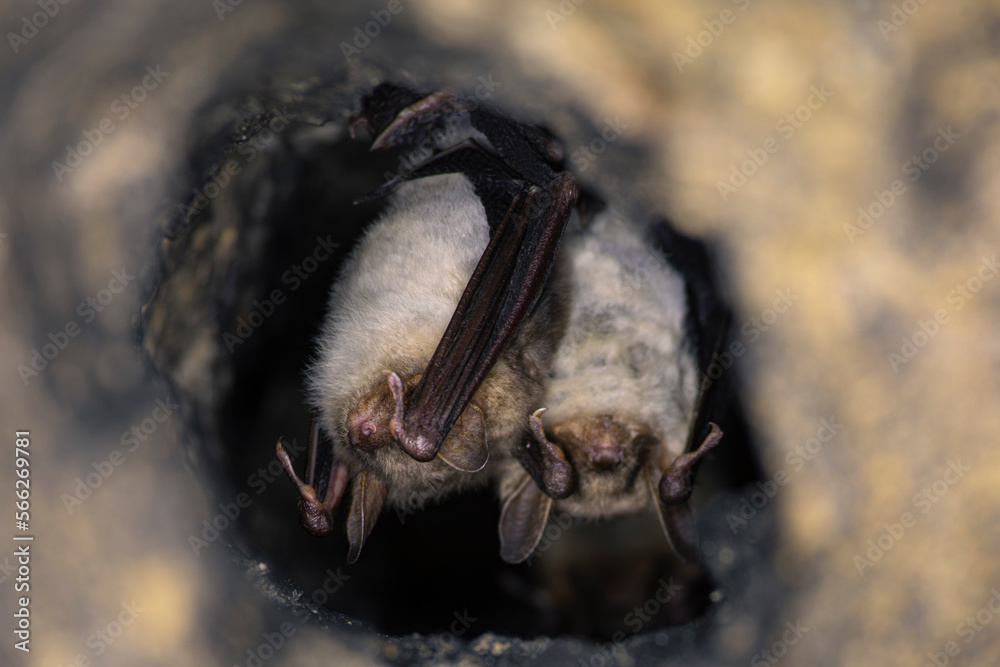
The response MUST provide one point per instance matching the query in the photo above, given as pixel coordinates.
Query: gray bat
(624, 418)
(444, 320)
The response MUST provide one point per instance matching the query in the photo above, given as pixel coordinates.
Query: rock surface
(870, 364)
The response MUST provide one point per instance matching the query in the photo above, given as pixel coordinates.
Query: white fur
(623, 354)
(392, 302)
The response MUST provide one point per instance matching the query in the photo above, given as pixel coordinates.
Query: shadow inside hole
(437, 569)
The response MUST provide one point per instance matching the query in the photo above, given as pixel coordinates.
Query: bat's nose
(363, 432)
(605, 455)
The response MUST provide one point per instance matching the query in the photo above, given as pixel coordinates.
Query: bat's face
(368, 434)
(367, 422)
(608, 456)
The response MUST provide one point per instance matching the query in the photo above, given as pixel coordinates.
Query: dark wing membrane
(503, 288)
(397, 116)
(527, 206)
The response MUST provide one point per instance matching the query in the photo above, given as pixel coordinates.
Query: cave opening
(232, 327)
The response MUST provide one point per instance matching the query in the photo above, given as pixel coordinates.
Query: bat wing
(707, 325)
(527, 205)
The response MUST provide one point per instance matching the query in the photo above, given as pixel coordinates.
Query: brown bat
(442, 325)
(629, 400)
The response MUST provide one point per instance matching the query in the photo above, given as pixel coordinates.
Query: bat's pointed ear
(368, 496)
(678, 525)
(464, 448)
(523, 520)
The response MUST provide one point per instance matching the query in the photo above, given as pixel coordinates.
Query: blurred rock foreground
(843, 157)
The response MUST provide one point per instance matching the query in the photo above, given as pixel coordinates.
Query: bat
(444, 319)
(625, 417)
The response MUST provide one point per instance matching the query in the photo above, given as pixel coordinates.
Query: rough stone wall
(765, 126)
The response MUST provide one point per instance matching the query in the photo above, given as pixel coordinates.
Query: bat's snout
(363, 432)
(605, 454)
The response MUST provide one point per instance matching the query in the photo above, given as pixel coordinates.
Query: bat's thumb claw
(674, 488)
(419, 447)
(356, 123)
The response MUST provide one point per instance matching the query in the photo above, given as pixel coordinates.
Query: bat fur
(388, 310)
(624, 362)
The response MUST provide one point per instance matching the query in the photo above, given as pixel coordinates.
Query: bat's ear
(678, 524)
(523, 520)
(464, 448)
(366, 504)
